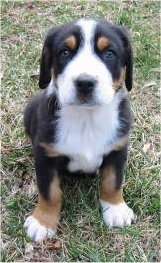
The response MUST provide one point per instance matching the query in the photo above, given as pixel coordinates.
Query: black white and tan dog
(80, 122)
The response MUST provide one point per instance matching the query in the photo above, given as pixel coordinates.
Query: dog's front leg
(116, 212)
(43, 221)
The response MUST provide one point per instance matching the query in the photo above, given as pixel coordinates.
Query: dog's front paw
(37, 231)
(117, 215)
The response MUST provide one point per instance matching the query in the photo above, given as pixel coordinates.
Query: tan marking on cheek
(108, 190)
(47, 212)
(119, 82)
(49, 150)
(102, 43)
(120, 143)
(71, 42)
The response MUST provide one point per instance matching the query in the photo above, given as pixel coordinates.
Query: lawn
(82, 236)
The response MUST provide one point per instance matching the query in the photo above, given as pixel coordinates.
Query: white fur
(36, 231)
(87, 27)
(85, 62)
(51, 88)
(118, 215)
(86, 134)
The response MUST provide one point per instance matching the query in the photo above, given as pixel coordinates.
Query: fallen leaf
(5, 150)
(150, 84)
(35, 74)
(29, 249)
(21, 173)
(51, 245)
(30, 6)
(30, 189)
(1, 75)
(148, 148)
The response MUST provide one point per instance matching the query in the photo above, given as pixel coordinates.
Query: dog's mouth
(85, 103)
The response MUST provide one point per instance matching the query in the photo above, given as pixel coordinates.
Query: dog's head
(86, 62)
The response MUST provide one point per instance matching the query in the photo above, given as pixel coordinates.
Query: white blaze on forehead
(87, 28)
(87, 62)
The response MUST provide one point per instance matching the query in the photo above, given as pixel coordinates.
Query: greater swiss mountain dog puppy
(80, 122)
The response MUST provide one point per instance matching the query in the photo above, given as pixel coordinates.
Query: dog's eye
(64, 53)
(108, 55)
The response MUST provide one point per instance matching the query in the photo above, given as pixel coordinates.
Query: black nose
(85, 85)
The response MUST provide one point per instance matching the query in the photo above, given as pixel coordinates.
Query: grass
(82, 234)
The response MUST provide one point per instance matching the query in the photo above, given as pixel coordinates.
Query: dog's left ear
(122, 31)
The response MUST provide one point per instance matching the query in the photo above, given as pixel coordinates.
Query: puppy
(80, 122)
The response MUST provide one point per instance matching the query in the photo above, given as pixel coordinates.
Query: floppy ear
(46, 59)
(45, 68)
(128, 56)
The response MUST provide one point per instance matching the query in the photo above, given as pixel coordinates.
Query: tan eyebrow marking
(102, 43)
(71, 42)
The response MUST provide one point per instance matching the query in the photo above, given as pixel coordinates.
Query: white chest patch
(85, 135)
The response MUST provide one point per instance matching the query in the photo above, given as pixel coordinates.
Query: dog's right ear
(46, 59)
(124, 35)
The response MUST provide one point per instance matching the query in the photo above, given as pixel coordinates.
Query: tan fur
(108, 190)
(47, 212)
(121, 143)
(119, 82)
(102, 43)
(71, 42)
(49, 150)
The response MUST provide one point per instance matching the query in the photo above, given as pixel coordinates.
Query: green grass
(82, 234)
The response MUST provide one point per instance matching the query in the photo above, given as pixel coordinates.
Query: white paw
(117, 215)
(36, 231)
